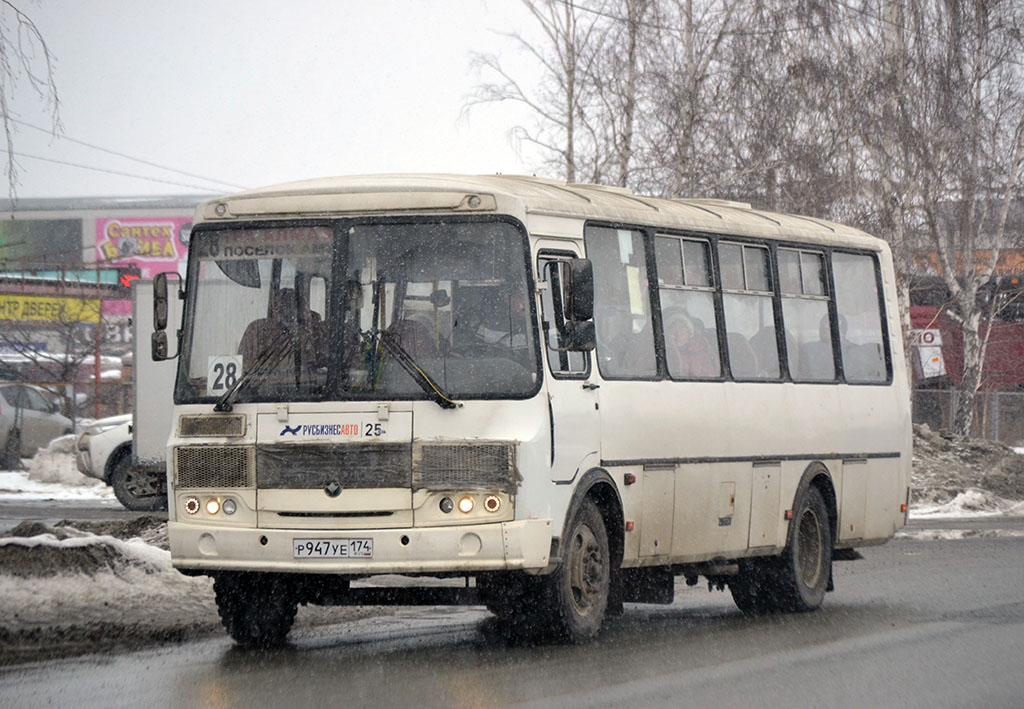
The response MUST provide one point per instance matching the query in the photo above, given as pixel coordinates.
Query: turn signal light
(192, 505)
(492, 503)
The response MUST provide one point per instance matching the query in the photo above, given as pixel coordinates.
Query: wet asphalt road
(914, 624)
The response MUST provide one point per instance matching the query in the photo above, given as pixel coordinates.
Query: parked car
(105, 452)
(28, 421)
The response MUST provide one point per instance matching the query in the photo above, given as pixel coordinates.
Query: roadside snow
(85, 586)
(53, 475)
(66, 589)
(973, 502)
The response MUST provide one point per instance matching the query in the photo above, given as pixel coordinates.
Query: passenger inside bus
(688, 352)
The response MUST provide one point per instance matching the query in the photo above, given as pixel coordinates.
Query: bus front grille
(464, 466)
(214, 466)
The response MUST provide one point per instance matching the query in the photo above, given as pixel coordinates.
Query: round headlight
(447, 505)
(466, 504)
(212, 506)
(191, 505)
(492, 503)
(229, 506)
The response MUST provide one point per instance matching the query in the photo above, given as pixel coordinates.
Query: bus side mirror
(579, 336)
(581, 290)
(160, 306)
(158, 342)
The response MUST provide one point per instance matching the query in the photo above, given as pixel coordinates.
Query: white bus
(568, 395)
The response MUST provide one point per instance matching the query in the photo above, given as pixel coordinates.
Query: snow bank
(972, 502)
(964, 476)
(53, 475)
(62, 579)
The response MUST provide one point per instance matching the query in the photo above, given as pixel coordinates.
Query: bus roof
(536, 196)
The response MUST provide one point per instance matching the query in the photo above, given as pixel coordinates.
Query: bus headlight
(492, 503)
(212, 506)
(191, 505)
(229, 506)
(466, 504)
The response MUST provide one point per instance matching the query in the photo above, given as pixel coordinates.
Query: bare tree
(946, 142)
(572, 42)
(24, 54)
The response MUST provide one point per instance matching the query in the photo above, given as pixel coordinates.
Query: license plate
(332, 548)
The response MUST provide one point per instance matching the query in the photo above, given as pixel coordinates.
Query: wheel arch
(597, 485)
(817, 475)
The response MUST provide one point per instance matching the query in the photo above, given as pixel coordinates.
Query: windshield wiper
(267, 359)
(389, 342)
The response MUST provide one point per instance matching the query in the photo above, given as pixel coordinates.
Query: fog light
(492, 503)
(466, 505)
(191, 505)
(447, 505)
(212, 506)
(229, 506)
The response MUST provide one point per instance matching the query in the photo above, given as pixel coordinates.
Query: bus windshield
(358, 310)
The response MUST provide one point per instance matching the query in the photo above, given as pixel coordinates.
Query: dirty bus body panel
(398, 374)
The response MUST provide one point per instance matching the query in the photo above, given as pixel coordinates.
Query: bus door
(572, 395)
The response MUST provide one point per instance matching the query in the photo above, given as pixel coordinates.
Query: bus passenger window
(622, 308)
(805, 312)
(749, 311)
(857, 301)
(686, 295)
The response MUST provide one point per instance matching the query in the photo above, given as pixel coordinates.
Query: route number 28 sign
(222, 373)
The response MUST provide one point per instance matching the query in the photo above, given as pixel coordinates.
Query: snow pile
(56, 464)
(972, 502)
(90, 588)
(960, 475)
(53, 475)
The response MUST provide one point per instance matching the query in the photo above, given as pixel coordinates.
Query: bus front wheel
(257, 610)
(581, 584)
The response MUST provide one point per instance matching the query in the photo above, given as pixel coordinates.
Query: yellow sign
(37, 307)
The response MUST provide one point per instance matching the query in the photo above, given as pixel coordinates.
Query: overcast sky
(256, 92)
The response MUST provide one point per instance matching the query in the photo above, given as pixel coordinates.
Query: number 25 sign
(222, 373)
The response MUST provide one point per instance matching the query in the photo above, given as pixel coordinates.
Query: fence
(999, 415)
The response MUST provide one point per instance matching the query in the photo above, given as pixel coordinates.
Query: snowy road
(916, 623)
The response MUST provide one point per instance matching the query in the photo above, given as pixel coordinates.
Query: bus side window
(622, 307)
(805, 312)
(860, 318)
(749, 311)
(552, 303)
(686, 293)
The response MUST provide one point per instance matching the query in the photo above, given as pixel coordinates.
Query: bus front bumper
(502, 546)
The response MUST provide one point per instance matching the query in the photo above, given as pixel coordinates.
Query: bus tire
(796, 581)
(805, 567)
(581, 584)
(257, 610)
(751, 589)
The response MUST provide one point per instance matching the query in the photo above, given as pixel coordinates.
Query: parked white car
(104, 451)
(28, 422)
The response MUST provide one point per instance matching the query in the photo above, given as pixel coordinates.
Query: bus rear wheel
(797, 580)
(581, 584)
(257, 610)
